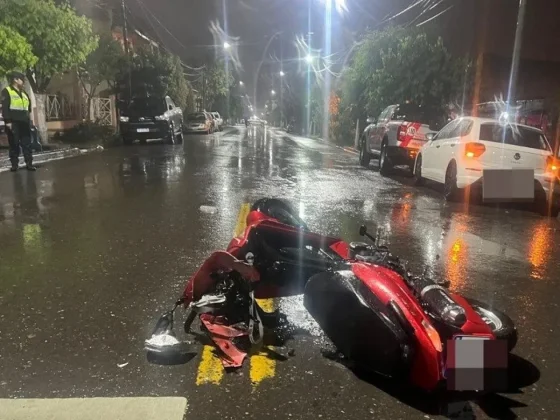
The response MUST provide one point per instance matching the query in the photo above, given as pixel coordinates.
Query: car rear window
(513, 134)
(419, 114)
(197, 117)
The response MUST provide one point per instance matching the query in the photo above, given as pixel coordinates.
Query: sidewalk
(49, 153)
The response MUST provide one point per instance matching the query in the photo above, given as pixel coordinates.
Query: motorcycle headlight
(122, 118)
(162, 118)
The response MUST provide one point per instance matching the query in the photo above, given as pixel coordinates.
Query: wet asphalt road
(93, 248)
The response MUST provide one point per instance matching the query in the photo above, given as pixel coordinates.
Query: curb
(350, 150)
(55, 155)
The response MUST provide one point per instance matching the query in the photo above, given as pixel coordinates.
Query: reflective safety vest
(18, 102)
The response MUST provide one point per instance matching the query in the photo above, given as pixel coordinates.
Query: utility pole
(281, 82)
(127, 50)
(512, 91)
(204, 89)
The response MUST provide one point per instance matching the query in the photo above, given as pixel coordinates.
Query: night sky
(183, 27)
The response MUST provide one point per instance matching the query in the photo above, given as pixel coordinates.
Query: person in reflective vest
(16, 110)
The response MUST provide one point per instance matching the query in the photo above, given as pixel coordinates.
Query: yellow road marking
(262, 366)
(210, 369)
(242, 219)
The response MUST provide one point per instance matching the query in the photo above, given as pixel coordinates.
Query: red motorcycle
(376, 312)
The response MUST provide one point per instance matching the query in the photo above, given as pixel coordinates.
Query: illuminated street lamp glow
(226, 45)
(273, 92)
(309, 58)
(282, 74)
(240, 83)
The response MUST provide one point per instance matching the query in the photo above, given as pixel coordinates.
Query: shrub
(90, 132)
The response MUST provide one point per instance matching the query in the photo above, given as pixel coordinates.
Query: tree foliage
(215, 83)
(403, 64)
(102, 65)
(15, 51)
(58, 36)
(156, 73)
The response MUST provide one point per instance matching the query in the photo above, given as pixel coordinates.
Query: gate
(103, 110)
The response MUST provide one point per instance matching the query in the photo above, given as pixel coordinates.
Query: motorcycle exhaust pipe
(440, 302)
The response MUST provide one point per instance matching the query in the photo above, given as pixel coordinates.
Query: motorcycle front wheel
(502, 326)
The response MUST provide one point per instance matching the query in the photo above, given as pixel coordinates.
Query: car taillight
(402, 132)
(433, 335)
(552, 164)
(474, 150)
(403, 136)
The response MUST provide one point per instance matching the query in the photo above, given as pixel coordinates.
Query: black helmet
(15, 75)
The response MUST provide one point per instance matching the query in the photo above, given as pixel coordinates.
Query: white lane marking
(140, 408)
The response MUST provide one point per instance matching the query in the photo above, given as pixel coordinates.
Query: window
(385, 114)
(513, 134)
(146, 106)
(466, 127)
(447, 131)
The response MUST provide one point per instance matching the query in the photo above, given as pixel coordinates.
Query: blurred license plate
(507, 185)
(142, 130)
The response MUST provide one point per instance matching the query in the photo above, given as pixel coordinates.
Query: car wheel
(545, 209)
(127, 141)
(365, 157)
(384, 164)
(450, 189)
(417, 173)
(143, 141)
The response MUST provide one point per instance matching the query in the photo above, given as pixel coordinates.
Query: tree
(215, 82)
(101, 65)
(402, 64)
(58, 36)
(156, 73)
(15, 51)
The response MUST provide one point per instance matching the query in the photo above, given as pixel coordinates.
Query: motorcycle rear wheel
(502, 326)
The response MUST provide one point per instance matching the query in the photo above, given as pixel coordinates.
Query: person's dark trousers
(20, 136)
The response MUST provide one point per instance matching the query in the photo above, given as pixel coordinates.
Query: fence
(59, 108)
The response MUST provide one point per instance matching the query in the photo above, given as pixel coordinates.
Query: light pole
(516, 54)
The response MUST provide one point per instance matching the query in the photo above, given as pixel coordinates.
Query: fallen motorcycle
(375, 311)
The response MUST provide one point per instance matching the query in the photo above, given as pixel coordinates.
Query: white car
(511, 162)
(218, 121)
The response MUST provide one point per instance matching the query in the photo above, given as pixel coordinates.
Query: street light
(273, 92)
(309, 58)
(241, 83)
(282, 74)
(227, 45)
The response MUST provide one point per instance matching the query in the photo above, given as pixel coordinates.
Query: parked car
(199, 122)
(465, 151)
(396, 135)
(218, 121)
(152, 118)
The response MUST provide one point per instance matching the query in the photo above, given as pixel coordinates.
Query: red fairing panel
(388, 285)
(341, 248)
(202, 281)
(474, 325)
(222, 335)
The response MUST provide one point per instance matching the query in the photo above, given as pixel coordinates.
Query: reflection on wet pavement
(94, 247)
